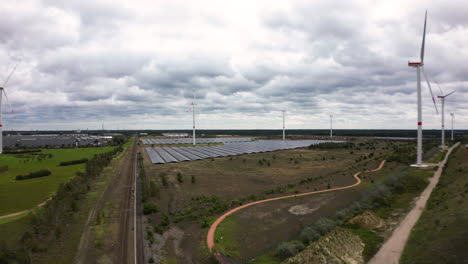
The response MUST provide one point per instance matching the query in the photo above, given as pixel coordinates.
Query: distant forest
(267, 132)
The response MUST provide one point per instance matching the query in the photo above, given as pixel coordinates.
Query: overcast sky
(135, 64)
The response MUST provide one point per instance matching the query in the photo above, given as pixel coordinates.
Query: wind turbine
(442, 98)
(284, 129)
(193, 113)
(420, 66)
(3, 92)
(452, 114)
(331, 125)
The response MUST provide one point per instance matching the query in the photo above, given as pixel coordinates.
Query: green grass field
(441, 234)
(22, 195)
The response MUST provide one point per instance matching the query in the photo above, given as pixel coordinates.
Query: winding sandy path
(212, 230)
(392, 249)
(26, 211)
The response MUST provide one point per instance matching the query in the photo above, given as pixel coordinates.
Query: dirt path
(26, 211)
(392, 249)
(212, 230)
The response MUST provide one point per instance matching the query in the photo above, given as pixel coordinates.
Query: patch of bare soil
(338, 247)
(368, 220)
(264, 225)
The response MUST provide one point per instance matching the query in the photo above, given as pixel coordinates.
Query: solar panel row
(148, 141)
(177, 154)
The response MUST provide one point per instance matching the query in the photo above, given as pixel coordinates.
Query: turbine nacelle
(415, 64)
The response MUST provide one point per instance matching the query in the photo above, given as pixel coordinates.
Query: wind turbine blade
(8, 101)
(430, 89)
(442, 92)
(424, 39)
(9, 76)
(449, 93)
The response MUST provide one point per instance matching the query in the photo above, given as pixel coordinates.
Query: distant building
(143, 134)
(175, 134)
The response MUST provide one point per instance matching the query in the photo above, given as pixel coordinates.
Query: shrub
(331, 145)
(36, 174)
(205, 222)
(324, 225)
(158, 229)
(149, 208)
(193, 180)
(289, 249)
(72, 162)
(165, 183)
(179, 177)
(154, 188)
(165, 220)
(309, 235)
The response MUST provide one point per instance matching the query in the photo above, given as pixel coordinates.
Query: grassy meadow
(25, 194)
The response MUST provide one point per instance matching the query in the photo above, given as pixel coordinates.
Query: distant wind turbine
(420, 66)
(193, 114)
(442, 98)
(3, 92)
(284, 128)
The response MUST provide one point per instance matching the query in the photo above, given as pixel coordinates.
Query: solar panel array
(177, 154)
(148, 141)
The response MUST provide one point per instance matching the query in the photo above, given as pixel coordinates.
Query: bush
(331, 145)
(165, 220)
(149, 208)
(72, 162)
(158, 229)
(309, 235)
(154, 189)
(179, 177)
(36, 174)
(289, 249)
(165, 183)
(324, 225)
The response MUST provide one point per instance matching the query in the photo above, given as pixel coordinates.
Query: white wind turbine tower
(331, 125)
(442, 98)
(419, 66)
(452, 114)
(193, 114)
(3, 92)
(284, 128)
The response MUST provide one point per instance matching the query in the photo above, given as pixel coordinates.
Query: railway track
(128, 226)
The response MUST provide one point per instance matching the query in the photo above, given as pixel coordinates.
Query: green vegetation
(180, 179)
(72, 162)
(150, 208)
(440, 235)
(32, 175)
(3, 168)
(22, 195)
(225, 240)
(371, 240)
(266, 259)
(258, 176)
(383, 197)
(332, 145)
(48, 229)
